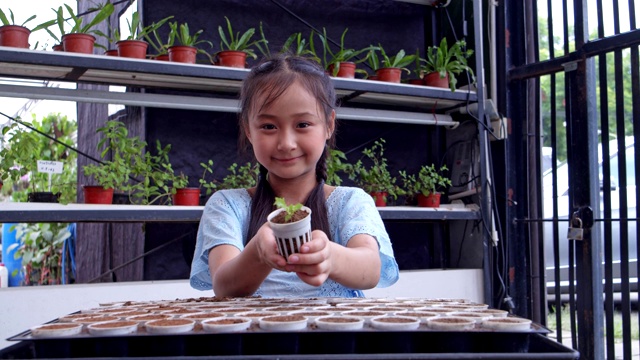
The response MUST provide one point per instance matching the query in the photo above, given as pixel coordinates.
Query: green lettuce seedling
(289, 210)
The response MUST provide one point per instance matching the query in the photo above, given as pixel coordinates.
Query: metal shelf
(48, 212)
(110, 70)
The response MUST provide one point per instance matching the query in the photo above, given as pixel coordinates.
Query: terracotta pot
(346, 70)
(373, 77)
(389, 74)
(97, 195)
(431, 200)
(434, 79)
(187, 196)
(78, 43)
(163, 57)
(57, 47)
(43, 197)
(112, 52)
(136, 49)
(14, 36)
(415, 82)
(183, 54)
(380, 198)
(237, 59)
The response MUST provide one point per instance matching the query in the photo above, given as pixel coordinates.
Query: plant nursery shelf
(47, 212)
(111, 70)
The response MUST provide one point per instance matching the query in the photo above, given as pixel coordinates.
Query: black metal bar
(606, 171)
(590, 49)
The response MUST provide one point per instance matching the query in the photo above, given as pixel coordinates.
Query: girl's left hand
(313, 263)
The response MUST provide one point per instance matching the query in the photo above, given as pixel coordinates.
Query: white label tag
(50, 167)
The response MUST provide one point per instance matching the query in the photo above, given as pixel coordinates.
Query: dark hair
(270, 78)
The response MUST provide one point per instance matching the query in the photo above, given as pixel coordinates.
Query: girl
(287, 117)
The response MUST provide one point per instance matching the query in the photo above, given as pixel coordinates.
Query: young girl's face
(288, 136)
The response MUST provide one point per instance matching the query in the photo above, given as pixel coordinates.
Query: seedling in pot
(290, 211)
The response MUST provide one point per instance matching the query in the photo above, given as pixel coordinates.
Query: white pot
(291, 236)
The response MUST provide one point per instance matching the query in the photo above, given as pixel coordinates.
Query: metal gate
(572, 95)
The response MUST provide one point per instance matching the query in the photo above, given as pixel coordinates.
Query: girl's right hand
(267, 249)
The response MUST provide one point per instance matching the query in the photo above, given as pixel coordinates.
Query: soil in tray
(58, 326)
(392, 319)
(341, 320)
(285, 318)
(297, 216)
(227, 321)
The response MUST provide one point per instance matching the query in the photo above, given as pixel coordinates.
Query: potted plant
(341, 63)
(239, 177)
(23, 150)
(40, 247)
(161, 46)
(79, 38)
(244, 176)
(426, 184)
(17, 35)
(419, 66)
(443, 63)
(185, 51)
(234, 48)
(297, 45)
(291, 225)
(391, 67)
(375, 179)
(133, 46)
(336, 164)
(115, 173)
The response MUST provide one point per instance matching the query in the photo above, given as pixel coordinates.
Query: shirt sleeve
(359, 215)
(223, 222)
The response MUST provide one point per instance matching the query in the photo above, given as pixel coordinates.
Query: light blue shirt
(351, 211)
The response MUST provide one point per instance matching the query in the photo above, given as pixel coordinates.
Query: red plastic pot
(431, 200)
(136, 49)
(380, 198)
(389, 74)
(57, 47)
(14, 36)
(183, 54)
(97, 195)
(112, 52)
(187, 196)
(416, 82)
(346, 70)
(434, 79)
(237, 59)
(78, 43)
(163, 57)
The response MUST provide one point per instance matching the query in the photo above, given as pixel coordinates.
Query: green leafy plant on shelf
(40, 246)
(449, 61)
(234, 41)
(78, 26)
(125, 153)
(400, 60)
(21, 150)
(238, 177)
(298, 45)
(337, 163)
(181, 34)
(138, 32)
(289, 210)
(331, 59)
(427, 181)
(374, 177)
(12, 21)
(156, 179)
